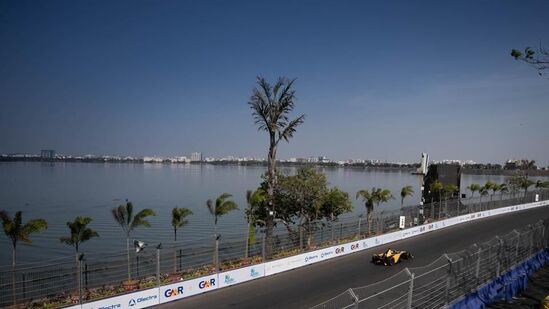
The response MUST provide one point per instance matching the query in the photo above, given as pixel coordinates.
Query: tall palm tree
(404, 192)
(474, 187)
(271, 106)
(80, 232)
(123, 215)
(437, 187)
(374, 197)
(179, 219)
(222, 206)
(16, 231)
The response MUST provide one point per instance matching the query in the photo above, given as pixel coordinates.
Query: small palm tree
(490, 185)
(525, 184)
(503, 189)
(16, 231)
(371, 198)
(437, 187)
(223, 205)
(449, 190)
(79, 233)
(483, 192)
(123, 215)
(179, 219)
(542, 184)
(474, 187)
(404, 192)
(254, 200)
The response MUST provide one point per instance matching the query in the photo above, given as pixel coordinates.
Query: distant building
(47, 154)
(196, 157)
(446, 174)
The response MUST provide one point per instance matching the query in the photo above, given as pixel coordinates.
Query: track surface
(310, 285)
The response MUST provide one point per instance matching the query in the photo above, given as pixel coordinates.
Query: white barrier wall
(192, 287)
(141, 299)
(188, 288)
(240, 275)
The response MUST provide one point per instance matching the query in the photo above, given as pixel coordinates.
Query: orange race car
(391, 257)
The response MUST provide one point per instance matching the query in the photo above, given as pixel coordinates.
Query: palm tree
(221, 207)
(542, 184)
(80, 232)
(271, 106)
(404, 192)
(449, 189)
(254, 200)
(437, 187)
(525, 184)
(179, 216)
(503, 189)
(16, 231)
(123, 215)
(474, 187)
(490, 185)
(371, 198)
(483, 192)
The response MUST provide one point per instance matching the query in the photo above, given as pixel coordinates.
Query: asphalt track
(313, 284)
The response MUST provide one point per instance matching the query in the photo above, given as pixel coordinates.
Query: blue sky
(376, 80)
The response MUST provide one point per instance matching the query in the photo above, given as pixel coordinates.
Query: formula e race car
(391, 257)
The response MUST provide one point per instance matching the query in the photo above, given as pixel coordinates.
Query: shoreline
(387, 167)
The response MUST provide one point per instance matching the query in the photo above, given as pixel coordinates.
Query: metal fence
(450, 277)
(56, 283)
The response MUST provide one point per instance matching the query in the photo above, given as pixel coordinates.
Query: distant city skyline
(198, 156)
(385, 81)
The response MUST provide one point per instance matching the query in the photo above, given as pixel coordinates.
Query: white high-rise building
(196, 157)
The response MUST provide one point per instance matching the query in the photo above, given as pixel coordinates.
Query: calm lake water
(58, 192)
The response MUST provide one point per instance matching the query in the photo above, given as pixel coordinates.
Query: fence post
(217, 252)
(300, 237)
(410, 288)
(86, 275)
(517, 247)
(448, 279)
(531, 240)
(355, 298)
(23, 281)
(340, 231)
(158, 265)
(80, 280)
(332, 226)
(180, 257)
(263, 247)
(498, 258)
(477, 271)
(359, 222)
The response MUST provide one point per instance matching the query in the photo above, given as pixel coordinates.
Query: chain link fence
(450, 277)
(61, 282)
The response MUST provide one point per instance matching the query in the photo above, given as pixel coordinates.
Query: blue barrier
(505, 286)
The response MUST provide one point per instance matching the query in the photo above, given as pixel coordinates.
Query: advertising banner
(188, 288)
(390, 237)
(141, 299)
(285, 264)
(241, 275)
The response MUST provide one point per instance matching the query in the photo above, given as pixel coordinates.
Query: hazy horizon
(377, 81)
